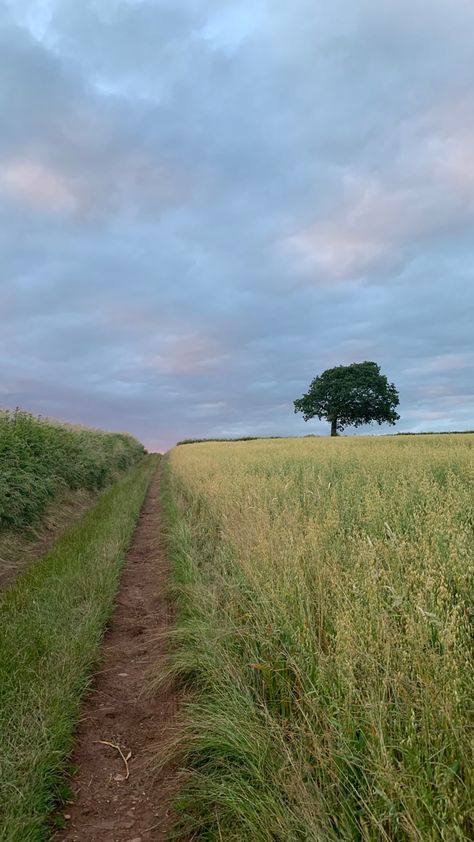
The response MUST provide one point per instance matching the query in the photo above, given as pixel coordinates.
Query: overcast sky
(203, 204)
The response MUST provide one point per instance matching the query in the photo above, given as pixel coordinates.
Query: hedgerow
(39, 459)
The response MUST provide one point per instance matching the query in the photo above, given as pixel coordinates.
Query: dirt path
(108, 807)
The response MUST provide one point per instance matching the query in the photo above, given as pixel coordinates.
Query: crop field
(325, 637)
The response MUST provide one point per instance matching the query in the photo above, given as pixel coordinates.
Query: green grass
(40, 459)
(325, 638)
(51, 625)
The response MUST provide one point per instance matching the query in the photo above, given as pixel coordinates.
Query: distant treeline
(239, 438)
(437, 433)
(317, 436)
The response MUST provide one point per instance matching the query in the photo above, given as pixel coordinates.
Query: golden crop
(332, 589)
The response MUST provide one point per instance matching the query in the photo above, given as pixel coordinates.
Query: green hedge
(40, 459)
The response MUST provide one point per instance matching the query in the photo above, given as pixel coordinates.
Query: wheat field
(325, 637)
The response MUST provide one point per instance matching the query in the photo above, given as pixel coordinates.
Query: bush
(40, 459)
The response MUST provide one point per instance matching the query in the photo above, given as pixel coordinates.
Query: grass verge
(324, 638)
(19, 548)
(51, 625)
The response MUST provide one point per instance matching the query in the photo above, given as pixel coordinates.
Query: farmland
(321, 656)
(324, 641)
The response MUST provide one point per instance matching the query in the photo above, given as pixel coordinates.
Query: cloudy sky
(205, 203)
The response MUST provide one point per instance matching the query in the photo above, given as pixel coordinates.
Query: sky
(204, 204)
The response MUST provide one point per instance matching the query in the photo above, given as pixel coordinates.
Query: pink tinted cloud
(372, 222)
(187, 354)
(38, 185)
(377, 219)
(442, 363)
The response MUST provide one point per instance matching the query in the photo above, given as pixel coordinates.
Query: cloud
(38, 185)
(186, 354)
(202, 205)
(444, 363)
(379, 226)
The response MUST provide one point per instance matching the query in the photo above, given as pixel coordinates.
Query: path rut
(120, 708)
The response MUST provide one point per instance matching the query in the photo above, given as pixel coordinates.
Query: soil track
(107, 806)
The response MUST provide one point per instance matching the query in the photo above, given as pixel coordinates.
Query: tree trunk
(334, 426)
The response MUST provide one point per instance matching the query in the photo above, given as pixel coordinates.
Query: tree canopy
(350, 395)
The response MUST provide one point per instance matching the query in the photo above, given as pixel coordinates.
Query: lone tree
(350, 395)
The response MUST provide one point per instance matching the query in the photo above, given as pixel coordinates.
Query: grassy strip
(51, 625)
(230, 748)
(19, 548)
(39, 459)
(325, 638)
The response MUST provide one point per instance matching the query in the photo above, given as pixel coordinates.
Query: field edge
(49, 643)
